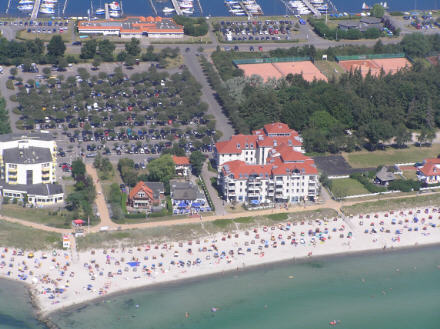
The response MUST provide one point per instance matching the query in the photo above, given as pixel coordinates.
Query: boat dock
(65, 6)
(9, 5)
(154, 7)
(34, 13)
(177, 7)
(200, 6)
(107, 14)
(311, 8)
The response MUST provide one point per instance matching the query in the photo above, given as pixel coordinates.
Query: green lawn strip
(392, 204)
(347, 186)
(19, 236)
(54, 217)
(141, 236)
(391, 156)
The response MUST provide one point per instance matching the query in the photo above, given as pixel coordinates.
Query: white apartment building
(255, 148)
(28, 167)
(266, 167)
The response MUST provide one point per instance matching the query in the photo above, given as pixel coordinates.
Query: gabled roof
(277, 128)
(242, 170)
(431, 167)
(287, 154)
(384, 175)
(180, 161)
(141, 186)
(236, 144)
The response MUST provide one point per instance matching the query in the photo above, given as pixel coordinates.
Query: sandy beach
(58, 279)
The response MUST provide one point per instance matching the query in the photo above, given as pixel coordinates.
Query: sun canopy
(78, 221)
(133, 264)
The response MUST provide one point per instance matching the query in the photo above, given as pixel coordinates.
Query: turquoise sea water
(15, 309)
(395, 290)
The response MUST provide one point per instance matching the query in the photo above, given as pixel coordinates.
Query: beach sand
(59, 279)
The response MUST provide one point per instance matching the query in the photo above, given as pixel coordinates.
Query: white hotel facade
(266, 167)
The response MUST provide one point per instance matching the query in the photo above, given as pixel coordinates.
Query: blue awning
(182, 204)
(196, 204)
(255, 201)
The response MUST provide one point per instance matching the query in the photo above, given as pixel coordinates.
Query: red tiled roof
(231, 146)
(181, 161)
(272, 141)
(289, 155)
(241, 170)
(278, 128)
(431, 167)
(141, 186)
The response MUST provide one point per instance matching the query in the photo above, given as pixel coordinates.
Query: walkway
(34, 13)
(222, 122)
(100, 200)
(207, 175)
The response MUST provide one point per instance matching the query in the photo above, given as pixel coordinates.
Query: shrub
(10, 84)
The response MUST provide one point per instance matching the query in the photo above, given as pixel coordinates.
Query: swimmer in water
(186, 315)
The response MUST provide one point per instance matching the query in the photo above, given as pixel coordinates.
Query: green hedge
(366, 182)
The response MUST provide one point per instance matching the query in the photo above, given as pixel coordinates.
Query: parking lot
(257, 30)
(31, 29)
(119, 113)
(335, 165)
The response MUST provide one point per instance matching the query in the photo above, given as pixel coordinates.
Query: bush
(195, 27)
(135, 215)
(10, 85)
(404, 185)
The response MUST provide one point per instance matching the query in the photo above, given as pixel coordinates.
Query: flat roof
(27, 155)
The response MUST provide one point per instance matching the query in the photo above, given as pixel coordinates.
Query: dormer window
(238, 145)
(252, 146)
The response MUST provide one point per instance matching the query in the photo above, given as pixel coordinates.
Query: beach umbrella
(133, 264)
(78, 222)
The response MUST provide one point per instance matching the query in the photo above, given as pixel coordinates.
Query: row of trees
(5, 126)
(80, 201)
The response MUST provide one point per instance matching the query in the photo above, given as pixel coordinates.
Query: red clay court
(280, 69)
(389, 65)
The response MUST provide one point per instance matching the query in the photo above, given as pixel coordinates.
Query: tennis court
(389, 65)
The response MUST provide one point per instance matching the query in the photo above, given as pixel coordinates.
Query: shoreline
(219, 254)
(203, 277)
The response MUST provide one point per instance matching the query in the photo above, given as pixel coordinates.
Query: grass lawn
(391, 156)
(392, 204)
(49, 216)
(18, 236)
(329, 69)
(174, 62)
(347, 186)
(410, 174)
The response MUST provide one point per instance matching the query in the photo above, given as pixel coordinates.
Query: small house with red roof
(182, 165)
(146, 195)
(429, 173)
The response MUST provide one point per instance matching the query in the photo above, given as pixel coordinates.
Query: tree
(56, 46)
(88, 50)
(121, 56)
(403, 136)
(378, 11)
(130, 60)
(161, 170)
(197, 159)
(78, 168)
(96, 62)
(106, 49)
(62, 64)
(46, 71)
(416, 45)
(133, 47)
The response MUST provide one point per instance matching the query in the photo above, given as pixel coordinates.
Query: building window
(12, 166)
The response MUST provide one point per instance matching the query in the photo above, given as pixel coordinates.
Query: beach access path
(101, 205)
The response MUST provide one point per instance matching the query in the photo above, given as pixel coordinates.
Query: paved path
(100, 200)
(35, 225)
(222, 122)
(207, 175)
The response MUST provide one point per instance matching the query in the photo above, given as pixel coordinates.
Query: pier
(107, 14)
(34, 13)
(312, 8)
(154, 7)
(65, 6)
(200, 6)
(9, 5)
(177, 7)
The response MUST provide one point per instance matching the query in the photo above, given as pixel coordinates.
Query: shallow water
(15, 309)
(394, 290)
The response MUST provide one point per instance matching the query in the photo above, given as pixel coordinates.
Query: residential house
(146, 195)
(182, 165)
(384, 177)
(187, 198)
(429, 172)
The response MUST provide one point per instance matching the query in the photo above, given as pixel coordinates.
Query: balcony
(12, 170)
(251, 195)
(45, 173)
(45, 178)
